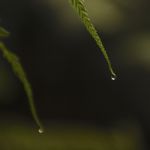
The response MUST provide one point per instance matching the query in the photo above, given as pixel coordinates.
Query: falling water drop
(113, 77)
(41, 131)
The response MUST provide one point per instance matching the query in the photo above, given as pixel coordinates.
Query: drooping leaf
(13, 60)
(80, 8)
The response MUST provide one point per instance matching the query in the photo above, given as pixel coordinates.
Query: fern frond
(13, 60)
(82, 12)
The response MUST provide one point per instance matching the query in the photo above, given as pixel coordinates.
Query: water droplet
(41, 131)
(113, 77)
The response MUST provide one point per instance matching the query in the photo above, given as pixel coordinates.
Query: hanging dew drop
(41, 131)
(113, 77)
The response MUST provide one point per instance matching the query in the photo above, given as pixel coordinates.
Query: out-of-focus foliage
(69, 137)
(3, 33)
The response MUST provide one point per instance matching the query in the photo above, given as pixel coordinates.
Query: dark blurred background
(70, 78)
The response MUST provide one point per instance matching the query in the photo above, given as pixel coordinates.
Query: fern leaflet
(82, 12)
(13, 60)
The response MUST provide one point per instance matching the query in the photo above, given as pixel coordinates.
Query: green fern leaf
(82, 12)
(13, 60)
